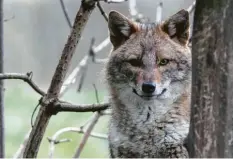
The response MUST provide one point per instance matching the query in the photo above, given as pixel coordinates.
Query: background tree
(211, 130)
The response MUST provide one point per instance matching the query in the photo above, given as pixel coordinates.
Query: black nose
(148, 87)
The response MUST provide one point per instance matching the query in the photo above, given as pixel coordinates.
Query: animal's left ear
(120, 28)
(177, 27)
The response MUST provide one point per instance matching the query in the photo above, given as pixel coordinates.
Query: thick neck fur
(149, 129)
(148, 115)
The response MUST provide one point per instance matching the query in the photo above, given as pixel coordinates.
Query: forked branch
(25, 77)
(54, 140)
(51, 97)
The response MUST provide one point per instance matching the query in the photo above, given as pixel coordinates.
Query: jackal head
(149, 61)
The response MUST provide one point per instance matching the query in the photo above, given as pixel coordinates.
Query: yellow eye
(163, 62)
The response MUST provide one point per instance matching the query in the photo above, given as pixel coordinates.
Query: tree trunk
(211, 129)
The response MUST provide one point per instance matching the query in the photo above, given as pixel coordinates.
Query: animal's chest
(164, 141)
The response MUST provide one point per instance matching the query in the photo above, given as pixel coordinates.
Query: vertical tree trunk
(211, 129)
(2, 127)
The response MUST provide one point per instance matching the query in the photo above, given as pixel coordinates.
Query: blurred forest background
(33, 41)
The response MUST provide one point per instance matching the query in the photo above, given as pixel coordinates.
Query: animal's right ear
(120, 28)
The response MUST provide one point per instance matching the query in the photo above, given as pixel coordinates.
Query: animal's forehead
(154, 41)
(151, 36)
(150, 41)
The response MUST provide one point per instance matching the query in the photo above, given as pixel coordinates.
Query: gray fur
(148, 128)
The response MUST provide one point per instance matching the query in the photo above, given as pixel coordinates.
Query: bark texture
(211, 130)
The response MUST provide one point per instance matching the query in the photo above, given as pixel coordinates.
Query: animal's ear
(120, 28)
(177, 27)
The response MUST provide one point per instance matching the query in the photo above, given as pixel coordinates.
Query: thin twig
(58, 141)
(71, 79)
(98, 48)
(102, 45)
(90, 127)
(25, 77)
(70, 129)
(100, 61)
(102, 11)
(82, 78)
(106, 112)
(65, 13)
(159, 12)
(85, 67)
(84, 125)
(191, 8)
(96, 94)
(87, 134)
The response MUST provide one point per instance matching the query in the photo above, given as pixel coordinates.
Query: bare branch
(102, 45)
(82, 78)
(100, 61)
(159, 12)
(96, 94)
(53, 92)
(95, 119)
(90, 127)
(192, 7)
(65, 13)
(58, 141)
(67, 107)
(70, 129)
(106, 112)
(102, 11)
(85, 67)
(71, 79)
(25, 77)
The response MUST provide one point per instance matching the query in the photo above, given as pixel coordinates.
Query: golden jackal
(149, 77)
